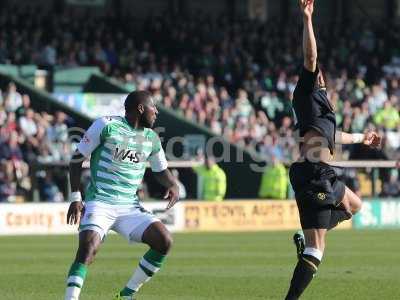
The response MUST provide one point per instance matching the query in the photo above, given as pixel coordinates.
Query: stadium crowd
(27, 138)
(236, 77)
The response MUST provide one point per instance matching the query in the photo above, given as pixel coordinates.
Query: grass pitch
(235, 266)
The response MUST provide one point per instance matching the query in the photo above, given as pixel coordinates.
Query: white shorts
(128, 221)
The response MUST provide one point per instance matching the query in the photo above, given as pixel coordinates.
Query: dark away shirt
(313, 109)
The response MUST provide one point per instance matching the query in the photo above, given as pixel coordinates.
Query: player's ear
(141, 108)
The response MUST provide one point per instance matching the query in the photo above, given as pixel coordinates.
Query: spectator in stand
(388, 117)
(12, 99)
(223, 78)
(28, 124)
(212, 179)
(274, 182)
(392, 187)
(26, 104)
(7, 188)
(49, 191)
(1, 97)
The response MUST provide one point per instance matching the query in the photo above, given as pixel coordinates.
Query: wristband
(358, 138)
(75, 196)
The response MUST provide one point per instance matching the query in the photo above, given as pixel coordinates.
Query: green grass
(357, 265)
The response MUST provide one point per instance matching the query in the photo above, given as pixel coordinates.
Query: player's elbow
(311, 57)
(310, 60)
(76, 160)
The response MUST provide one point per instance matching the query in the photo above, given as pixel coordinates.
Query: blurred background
(222, 73)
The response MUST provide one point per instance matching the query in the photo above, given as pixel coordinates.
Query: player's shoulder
(106, 120)
(110, 119)
(150, 133)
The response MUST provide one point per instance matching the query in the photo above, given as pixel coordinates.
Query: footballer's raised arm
(309, 41)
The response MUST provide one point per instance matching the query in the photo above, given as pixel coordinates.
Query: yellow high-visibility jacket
(274, 182)
(213, 182)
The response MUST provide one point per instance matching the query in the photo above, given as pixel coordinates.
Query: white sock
(313, 252)
(137, 280)
(140, 277)
(72, 293)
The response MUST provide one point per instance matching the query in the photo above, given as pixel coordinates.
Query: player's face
(150, 113)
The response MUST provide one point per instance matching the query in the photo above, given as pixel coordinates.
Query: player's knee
(165, 243)
(356, 205)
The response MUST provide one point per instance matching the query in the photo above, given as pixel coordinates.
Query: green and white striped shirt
(118, 159)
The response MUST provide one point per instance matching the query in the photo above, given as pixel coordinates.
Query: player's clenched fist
(372, 139)
(307, 7)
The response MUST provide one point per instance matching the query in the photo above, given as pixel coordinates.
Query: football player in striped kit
(119, 148)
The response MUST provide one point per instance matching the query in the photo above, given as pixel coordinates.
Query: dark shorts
(318, 190)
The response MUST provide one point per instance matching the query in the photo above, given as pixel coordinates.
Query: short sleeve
(306, 82)
(158, 161)
(92, 137)
(156, 144)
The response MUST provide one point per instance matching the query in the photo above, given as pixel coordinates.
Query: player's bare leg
(351, 201)
(159, 239)
(89, 242)
(308, 262)
(350, 205)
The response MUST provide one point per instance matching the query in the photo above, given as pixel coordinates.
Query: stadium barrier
(50, 218)
(378, 214)
(246, 215)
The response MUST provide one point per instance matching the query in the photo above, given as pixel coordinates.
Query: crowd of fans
(236, 77)
(28, 137)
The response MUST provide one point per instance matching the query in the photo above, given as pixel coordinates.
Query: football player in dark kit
(322, 199)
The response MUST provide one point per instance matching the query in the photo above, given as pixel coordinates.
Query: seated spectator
(26, 104)
(27, 124)
(49, 191)
(8, 189)
(12, 99)
(392, 187)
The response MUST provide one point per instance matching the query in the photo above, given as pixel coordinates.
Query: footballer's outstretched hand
(75, 211)
(307, 7)
(372, 139)
(172, 195)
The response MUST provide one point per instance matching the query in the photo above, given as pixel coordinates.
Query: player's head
(140, 105)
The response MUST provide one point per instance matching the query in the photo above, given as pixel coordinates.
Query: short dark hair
(134, 99)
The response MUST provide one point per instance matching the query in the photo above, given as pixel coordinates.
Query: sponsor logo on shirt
(127, 155)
